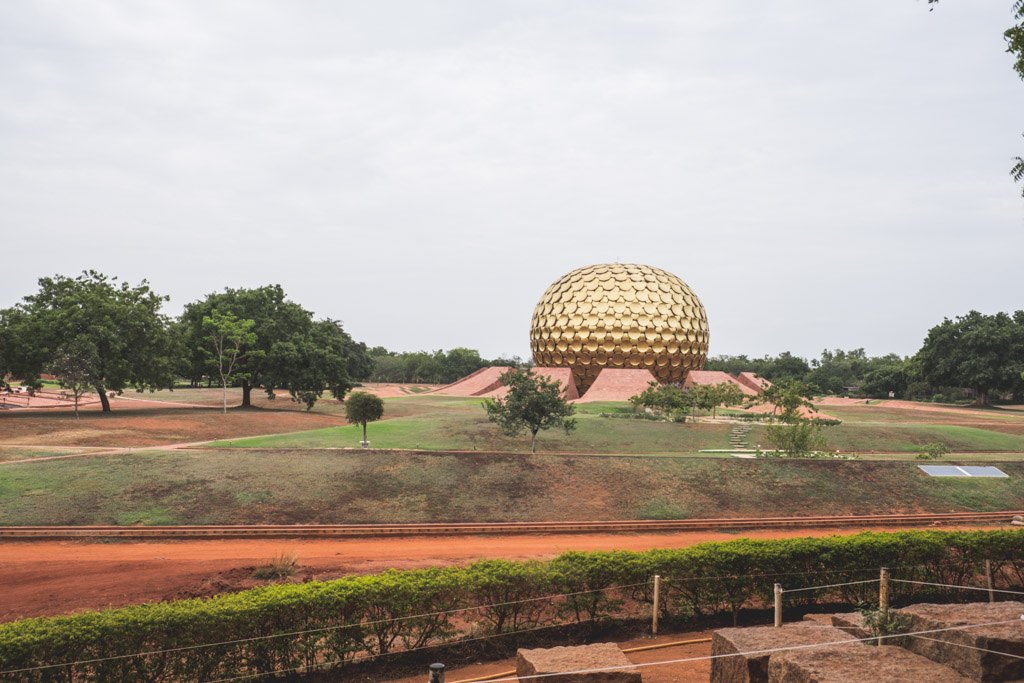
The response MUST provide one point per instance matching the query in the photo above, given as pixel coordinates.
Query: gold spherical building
(620, 315)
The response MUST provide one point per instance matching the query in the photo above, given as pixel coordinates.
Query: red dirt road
(56, 577)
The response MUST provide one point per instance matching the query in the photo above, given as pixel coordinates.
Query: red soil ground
(56, 577)
(150, 423)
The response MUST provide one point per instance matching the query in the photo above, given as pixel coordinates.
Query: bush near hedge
(326, 625)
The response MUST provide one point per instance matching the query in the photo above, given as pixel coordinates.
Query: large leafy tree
(533, 403)
(128, 341)
(310, 363)
(284, 353)
(982, 352)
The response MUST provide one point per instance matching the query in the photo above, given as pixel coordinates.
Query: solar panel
(978, 471)
(943, 471)
(963, 471)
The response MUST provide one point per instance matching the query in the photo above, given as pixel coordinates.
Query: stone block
(963, 650)
(857, 664)
(853, 624)
(753, 668)
(580, 658)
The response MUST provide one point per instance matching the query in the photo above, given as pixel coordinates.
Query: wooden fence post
(883, 590)
(656, 605)
(989, 581)
(778, 605)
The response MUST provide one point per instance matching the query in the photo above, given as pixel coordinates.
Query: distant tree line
(975, 357)
(98, 334)
(439, 367)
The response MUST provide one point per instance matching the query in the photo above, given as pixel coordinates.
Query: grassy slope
(449, 423)
(855, 437)
(162, 487)
(446, 424)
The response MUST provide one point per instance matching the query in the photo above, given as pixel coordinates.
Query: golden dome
(620, 315)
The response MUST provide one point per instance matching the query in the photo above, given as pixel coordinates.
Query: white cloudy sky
(822, 173)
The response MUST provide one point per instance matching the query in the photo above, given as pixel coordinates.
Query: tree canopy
(533, 403)
(289, 349)
(127, 336)
(983, 352)
(439, 367)
(362, 407)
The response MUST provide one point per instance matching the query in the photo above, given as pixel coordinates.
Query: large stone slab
(857, 664)
(580, 658)
(753, 668)
(963, 650)
(851, 623)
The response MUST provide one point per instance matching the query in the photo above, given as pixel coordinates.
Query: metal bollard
(436, 673)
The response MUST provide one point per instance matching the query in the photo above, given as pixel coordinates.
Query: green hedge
(329, 624)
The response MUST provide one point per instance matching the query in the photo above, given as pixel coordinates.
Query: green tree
(533, 403)
(663, 399)
(228, 336)
(890, 373)
(133, 346)
(800, 438)
(277, 321)
(362, 407)
(76, 366)
(728, 394)
(787, 398)
(978, 351)
(310, 363)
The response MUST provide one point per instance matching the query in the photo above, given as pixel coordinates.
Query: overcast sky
(822, 174)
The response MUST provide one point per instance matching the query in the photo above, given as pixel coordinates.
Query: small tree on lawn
(75, 366)
(726, 394)
(533, 403)
(666, 400)
(362, 407)
(798, 439)
(228, 335)
(787, 399)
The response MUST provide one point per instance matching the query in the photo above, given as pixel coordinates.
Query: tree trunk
(533, 442)
(246, 394)
(104, 401)
(224, 390)
(77, 396)
(364, 432)
(981, 397)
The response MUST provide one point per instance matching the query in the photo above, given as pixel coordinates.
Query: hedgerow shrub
(326, 625)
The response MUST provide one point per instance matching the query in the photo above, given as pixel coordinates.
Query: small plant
(280, 567)
(932, 451)
(883, 622)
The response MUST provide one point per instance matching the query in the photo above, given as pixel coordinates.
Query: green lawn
(255, 486)
(444, 423)
(459, 424)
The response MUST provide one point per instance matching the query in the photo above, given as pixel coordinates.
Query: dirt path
(55, 577)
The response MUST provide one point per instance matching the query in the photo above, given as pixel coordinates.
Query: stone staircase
(738, 436)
